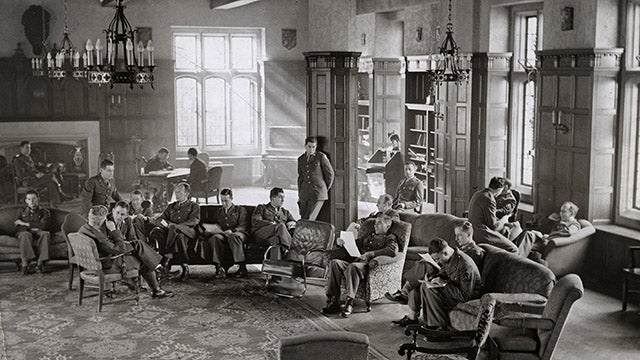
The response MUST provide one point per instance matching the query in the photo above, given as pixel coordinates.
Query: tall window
(218, 81)
(526, 36)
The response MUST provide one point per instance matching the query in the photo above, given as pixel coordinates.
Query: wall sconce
(419, 34)
(363, 39)
(558, 125)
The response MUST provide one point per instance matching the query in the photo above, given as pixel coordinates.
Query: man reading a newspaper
(354, 269)
(457, 281)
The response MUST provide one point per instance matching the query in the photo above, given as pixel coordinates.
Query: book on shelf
(420, 140)
(419, 122)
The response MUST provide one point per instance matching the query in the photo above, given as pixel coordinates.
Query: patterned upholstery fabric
(9, 246)
(86, 251)
(385, 273)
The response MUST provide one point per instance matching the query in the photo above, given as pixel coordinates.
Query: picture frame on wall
(566, 16)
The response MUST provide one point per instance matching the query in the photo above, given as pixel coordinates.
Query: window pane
(187, 112)
(186, 50)
(635, 159)
(215, 110)
(243, 111)
(528, 128)
(243, 57)
(214, 52)
(531, 40)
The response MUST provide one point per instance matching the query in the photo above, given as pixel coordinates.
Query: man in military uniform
(159, 162)
(354, 269)
(230, 231)
(482, 215)
(176, 226)
(100, 189)
(110, 240)
(31, 223)
(409, 193)
(273, 223)
(197, 171)
(27, 175)
(315, 177)
(141, 216)
(458, 281)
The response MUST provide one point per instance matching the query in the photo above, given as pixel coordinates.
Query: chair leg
(367, 303)
(70, 276)
(81, 292)
(625, 291)
(100, 296)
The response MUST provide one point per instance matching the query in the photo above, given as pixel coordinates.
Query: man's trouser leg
(140, 228)
(352, 275)
(159, 236)
(236, 244)
(217, 244)
(436, 310)
(26, 247)
(315, 209)
(147, 256)
(276, 234)
(42, 243)
(414, 300)
(416, 273)
(305, 208)
(335, 276)
(525, 243)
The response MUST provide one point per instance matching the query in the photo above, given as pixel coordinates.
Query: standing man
(231, 232)
(159, 162)
(31, 223)
(355, 269)
(197, 171)
(482, 215)
(141, 216)
(27, 175)
(100, 189)
(409, 193)
(176, 226)
(110, 241)
(315, 177)
(273, 223)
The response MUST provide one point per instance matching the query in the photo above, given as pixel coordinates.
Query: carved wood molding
(595, 59)
(492, 61)
(332, 59)
(423, 63)
(394, 65)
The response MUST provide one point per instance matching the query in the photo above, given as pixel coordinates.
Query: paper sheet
(430, 260)
(350, 243)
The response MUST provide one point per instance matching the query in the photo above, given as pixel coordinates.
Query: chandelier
(450, 66)
(121, 63)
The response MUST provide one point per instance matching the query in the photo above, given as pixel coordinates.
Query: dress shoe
(41, 268)
(25, 269)
(160, 293)
(220, 273)
(333, 307)
(348, 308)
(241, 273)
(405, 321)
(185, 272)
(397, 296)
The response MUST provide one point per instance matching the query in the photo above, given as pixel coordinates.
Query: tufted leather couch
(9, 246)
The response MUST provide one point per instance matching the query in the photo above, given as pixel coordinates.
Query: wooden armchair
(72, 223)
(86, 254)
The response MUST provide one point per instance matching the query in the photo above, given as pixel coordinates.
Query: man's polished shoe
(220, 273)
(185, 272)
(241, 273)
(332, 307)
(398, 297)
(25, 270)
(161, 293)
(405, 321)
(348, 308)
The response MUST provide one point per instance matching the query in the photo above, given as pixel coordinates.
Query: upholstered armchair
(530, 336)
(385, 272)
(325, 345)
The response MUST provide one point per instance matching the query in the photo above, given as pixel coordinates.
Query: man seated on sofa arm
(458, 281)
(30, 223)
(531, 243)
(380, 242)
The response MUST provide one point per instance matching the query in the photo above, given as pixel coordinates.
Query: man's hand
(339, 242)
(110, 225)
(537, 233)
(365, 257)
(228, 232)
(20, 222)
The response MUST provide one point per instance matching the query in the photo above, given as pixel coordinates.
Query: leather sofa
(9, 246)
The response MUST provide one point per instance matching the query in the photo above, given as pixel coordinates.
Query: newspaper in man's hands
(350, 243)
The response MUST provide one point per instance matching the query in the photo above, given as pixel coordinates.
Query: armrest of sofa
(384, 260)
(525, 321)
(586, 231)
(518, 302)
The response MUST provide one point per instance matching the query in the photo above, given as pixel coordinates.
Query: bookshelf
(420, 138)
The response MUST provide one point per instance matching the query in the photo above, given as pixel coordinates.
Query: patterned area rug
(221, 319)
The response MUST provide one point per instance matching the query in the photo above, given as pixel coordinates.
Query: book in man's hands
(427, 257)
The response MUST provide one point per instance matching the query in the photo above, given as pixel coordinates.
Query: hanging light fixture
(39, 62)
(450, 66)
(122, 62)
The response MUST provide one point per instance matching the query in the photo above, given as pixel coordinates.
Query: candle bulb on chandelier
(129, 48)
(76, 59)
(110, 52)
(150, 49)
(49, 61)
(140, 49)
(89, 53)
(99, 49)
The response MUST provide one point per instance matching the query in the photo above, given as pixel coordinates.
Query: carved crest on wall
(289, 38)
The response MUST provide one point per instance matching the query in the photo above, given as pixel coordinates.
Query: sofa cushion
(426, 227)
(509, 340)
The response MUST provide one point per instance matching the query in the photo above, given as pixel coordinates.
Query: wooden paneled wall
(388, 101)
(578, 92)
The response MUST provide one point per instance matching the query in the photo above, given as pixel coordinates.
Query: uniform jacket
(463, 277)
(108, 243)
(475, 252)
(197, 173)
(98, 191)
(379, 244)
(482, 210)
(409, 193)
(142, 211)
(505, 204)
(563, 229)
(156, 164)
(24, 167)
(235, 219)
(37, 218)
(185, 213)
(393, 214)
(266, 214)
(315, 177)
(125, 227)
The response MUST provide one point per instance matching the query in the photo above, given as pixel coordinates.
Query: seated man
(100, 189)
(531, 243)
(175, 227)
(159, 162)
(458, 281)
(354, 269)
(230, 231)
(410, 190)
(110, 241)
(27, 175)
(273, 223)
(31, 222)
(141, 216)
(197, 171)
(482, 215)
(506, 207)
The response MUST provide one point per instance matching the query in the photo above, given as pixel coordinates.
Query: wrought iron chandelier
(450, 66)
(119, 64)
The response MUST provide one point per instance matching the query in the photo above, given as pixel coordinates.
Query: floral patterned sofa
(9, 246)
